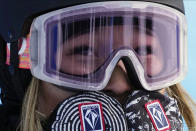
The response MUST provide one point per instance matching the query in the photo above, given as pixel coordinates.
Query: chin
(121, 97)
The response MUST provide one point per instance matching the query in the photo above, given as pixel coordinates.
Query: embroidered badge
(91, 117)
(157, 115)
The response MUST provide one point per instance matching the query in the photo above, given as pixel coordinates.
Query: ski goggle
(79, 46)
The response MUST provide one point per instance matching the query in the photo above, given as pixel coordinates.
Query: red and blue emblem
(157, 115)
(91, 116)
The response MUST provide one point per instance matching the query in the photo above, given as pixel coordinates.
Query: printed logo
(91, 116)
(157, 115)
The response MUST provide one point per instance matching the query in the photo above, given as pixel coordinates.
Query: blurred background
(189, 82)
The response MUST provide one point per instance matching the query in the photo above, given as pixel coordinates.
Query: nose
(119, 82)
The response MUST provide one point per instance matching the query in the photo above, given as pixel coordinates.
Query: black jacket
(9, 117)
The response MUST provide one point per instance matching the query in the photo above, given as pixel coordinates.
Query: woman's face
(79, 57)
(85, 53)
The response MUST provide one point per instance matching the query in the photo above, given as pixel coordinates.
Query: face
(80, 57)
(83, 55)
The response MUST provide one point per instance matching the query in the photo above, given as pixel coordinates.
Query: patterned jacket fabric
(137, 115)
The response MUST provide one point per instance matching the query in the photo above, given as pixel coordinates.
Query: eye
(144, 50)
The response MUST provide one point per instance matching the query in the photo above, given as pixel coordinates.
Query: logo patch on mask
(91, 117)
(157, 115)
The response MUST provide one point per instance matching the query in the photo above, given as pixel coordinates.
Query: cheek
(153, 65)
(74, 66)
(80, 65)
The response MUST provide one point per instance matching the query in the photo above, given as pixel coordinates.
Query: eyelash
(81, 50)
(87, 51)
(145, 50)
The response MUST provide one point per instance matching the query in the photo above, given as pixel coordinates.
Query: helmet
(13, 18)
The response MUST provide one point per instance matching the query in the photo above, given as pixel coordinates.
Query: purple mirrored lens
(81, 48)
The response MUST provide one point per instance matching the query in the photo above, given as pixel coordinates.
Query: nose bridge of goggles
(134, 69)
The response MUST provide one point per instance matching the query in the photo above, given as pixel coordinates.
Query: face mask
(89, 111)
(150, 111)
